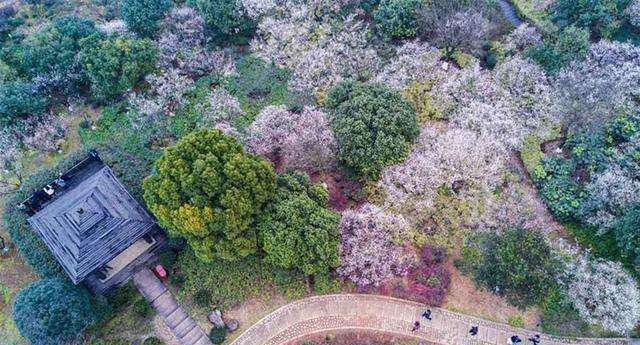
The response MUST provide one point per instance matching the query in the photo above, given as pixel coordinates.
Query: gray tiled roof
(90, 223)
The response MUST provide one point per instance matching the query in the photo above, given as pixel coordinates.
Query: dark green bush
(560, 49)
(226, 24)
(152, 341)
(218, 335)
(397, 18)
(19, 99)
(52, 54)
(517, 264)
(374, 127)
(142, 308)
(115, 65)
(561, 193)
(559, 317)
(298, 231)
(624, 127)
(588, 150)
(603, 18)
(627, 233)
(53, 311)
(142, 16)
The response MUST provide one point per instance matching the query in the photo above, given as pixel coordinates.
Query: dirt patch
(252, 310)
(465, 297)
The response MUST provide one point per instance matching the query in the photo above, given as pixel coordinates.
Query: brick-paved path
(386, 314)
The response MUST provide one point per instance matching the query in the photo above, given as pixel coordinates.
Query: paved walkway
(179, 322)
(385, 314)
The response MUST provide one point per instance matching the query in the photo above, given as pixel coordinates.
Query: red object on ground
(160, 272)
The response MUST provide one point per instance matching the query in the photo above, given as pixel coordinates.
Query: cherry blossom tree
(521, 38)
(182, 46)
(591, 92)
(414, 61)
(633, 11)
(301, 140)
(443, 157)
(603, 293)
(320, 53)
(369, 257)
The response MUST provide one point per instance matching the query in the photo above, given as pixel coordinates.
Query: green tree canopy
(115, 65)
(142, 16)
(397, 18)
(226, 22)
(206, 189)
(559, 50)
(374, 126)
(517, 263)
(53, 311)
(19, 99)
(602, 17)
(627, 232)
(54, 48)
(298, 231)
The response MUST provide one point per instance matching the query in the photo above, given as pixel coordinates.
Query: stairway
(179, 322)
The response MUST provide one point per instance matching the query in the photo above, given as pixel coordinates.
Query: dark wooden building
(96, 230)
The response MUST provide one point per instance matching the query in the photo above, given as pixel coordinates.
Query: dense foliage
(53, 311)
(517, 263)
(207, 190)
(397, 18)
(142, 16)
(51, 55)
(603, 18)
(374, 127)
(226, 22)
(18, 100)
(298, 231)
(115, 65)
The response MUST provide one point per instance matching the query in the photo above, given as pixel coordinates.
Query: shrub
(569, 44)
(116, 65)
(17, 100)
(518, 264)
(397, 18)
(206, 189)
(559, 317)
(532, 155)
(225, 20)
(560, 192)
(627, 233)
(298, 140)
(51, 54)
(298, 231)
(142, 16)
(218, 334)
(419, 95)
(53, 311)
(602, 17)
(374, 127)
(516, 321)
(152, 341)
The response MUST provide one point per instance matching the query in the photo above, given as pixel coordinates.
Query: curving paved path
(385, 314)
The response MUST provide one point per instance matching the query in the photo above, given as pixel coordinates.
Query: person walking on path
(416, 326)
(535, 339)
(515, 339)
(427, 314)
(474, 331)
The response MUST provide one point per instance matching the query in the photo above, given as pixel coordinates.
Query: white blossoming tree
(604, 294)
(300, 140)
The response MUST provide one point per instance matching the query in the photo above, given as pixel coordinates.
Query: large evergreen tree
(298, 231)
(206, 189)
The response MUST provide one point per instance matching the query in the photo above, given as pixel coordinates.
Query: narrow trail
(510, 12)
(313, 315)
